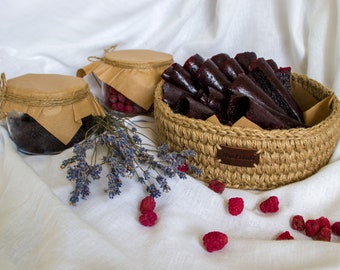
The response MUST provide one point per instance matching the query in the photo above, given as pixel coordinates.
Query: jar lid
(133, 73)
(57, 102)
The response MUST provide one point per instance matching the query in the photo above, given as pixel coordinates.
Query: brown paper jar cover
(56, 102)
(133, 73)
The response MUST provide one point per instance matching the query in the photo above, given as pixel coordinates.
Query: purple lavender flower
(126, 156)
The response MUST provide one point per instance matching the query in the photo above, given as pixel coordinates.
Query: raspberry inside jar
(117, 102)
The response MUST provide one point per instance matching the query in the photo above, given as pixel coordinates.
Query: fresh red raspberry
(270, 205)
(285, 236)
(183, 168)
(235, 206)
(312, 227)
(324, 234)
(216, 186)
(324, 222)
(214, 241)
(147, 204)
(298, 223)
(336, 228)
(148, 218)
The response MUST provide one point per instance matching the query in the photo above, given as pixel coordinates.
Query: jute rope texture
(127, 65)
(36, 101)
(3, 88)
(286, 156)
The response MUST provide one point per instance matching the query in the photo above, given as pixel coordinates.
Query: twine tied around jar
(43, 102)
(7, 95)
(106, 50)
(3, 88)
(119, 64)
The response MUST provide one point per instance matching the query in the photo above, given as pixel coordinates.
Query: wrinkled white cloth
(38, 227)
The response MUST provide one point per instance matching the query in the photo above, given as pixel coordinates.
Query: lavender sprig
(125, 155)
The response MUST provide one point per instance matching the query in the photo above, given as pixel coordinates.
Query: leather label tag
(238, 156)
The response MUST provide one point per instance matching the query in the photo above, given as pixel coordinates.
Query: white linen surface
(38, 227)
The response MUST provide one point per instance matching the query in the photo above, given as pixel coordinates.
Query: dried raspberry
(216, 186)
(214, 241)
(270, 205)
(148, 218)
(324, 234)
(298, 223)
(235, 206)
(312, 227)
(128, 102)
(121, 98)
(114, 106)
(324, 222)
(147, 204)
(120, 107)
(183, 168)
(285, 236)
(336, 228)
(113, 99)
(112, 91)
(128, 108)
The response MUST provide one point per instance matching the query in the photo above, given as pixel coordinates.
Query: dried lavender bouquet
(127, 153)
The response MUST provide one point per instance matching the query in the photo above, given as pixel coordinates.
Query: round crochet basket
(266, 158)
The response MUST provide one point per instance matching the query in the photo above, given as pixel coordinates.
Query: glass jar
(128, 79)
(32, 138)
(48, 113)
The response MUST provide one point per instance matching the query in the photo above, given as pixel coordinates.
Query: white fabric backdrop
(40, 230)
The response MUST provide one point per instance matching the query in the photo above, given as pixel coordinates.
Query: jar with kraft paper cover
(128, 79)
(47, 113)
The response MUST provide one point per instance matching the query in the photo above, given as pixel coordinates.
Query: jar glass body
(32, 138)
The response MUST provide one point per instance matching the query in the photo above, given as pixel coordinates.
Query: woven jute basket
(281, 156)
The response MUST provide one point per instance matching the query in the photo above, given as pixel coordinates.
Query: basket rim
(251, 133)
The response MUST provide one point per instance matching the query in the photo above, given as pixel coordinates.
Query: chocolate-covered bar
(179, 76)
(245, 86)
(193, 63)
(209, 75)
(172, 93)
(244, 59)
(192, 108)
(266, 78)
(260, 114)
